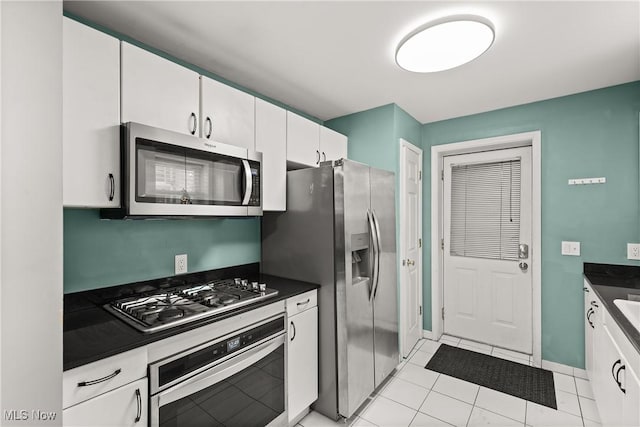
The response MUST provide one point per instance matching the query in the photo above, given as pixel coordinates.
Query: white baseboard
(580, 373)
(427, 334)
(560, 368)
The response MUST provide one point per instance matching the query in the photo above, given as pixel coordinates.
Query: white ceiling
(330, 58)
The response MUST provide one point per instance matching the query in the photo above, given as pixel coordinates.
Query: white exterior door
(411, 252)
(487, 277)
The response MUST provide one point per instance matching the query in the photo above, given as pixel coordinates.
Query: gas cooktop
(158, 310)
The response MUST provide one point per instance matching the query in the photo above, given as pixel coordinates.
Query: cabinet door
(157, 92)
(303, 140)
(227, 114)
(124, 406)
(271, 140)
(607, 361)
(333, 145)
(302, 375)
(90, 117)
(631, 405)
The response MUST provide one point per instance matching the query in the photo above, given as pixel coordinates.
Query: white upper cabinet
(303, 140)
(333, 145)
(227, 114)
(271, 140)
(91, 117)
(308, 143)
(158, 92)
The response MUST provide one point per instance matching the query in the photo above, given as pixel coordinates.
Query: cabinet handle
(293, 325)
(324, 157)
(112, 191)
(195, 123)
(589, 313)
(318, 155)
(139, 403)
(304, 303)
(613, 368)
(99, 380)
(594, 304)
(617, 380)
(210, 123)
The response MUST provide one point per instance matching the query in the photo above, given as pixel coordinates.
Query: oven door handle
(248, 182)
(219, 372)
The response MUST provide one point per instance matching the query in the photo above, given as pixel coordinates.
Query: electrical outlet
(633, 251)
(181, 264)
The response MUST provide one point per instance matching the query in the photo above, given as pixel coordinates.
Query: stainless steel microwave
(168, 174)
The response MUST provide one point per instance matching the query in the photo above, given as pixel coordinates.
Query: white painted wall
(31, 209)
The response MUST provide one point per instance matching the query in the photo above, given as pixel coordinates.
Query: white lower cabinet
(611, 366)
(124, 406)
(615, 385)
(302, 373)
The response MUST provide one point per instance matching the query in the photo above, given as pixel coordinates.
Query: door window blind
(485, 210)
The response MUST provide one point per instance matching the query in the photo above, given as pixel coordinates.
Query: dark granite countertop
(91, 333)
(611, 282)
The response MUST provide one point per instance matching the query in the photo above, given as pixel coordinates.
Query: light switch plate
(570, 248)
(181, 264)
(633, 251)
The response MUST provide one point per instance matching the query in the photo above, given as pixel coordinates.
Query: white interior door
(487, 275)
(410, 246)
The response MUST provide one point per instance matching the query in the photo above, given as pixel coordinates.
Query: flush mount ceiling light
(445, 44)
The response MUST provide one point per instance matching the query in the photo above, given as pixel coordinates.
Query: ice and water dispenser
(360, 258)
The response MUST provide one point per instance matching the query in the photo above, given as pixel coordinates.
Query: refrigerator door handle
(378, 250)
(374, 267)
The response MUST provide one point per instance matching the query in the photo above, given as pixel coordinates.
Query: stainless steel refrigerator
(339, 231)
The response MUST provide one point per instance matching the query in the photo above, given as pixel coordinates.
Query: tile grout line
(473, 406)
(579, 404)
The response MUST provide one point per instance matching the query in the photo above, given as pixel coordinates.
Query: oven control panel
(209, 354)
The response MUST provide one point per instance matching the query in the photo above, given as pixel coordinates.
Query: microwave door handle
(219, 372)
(248, 182)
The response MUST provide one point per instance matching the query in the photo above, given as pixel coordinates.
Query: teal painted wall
(591, 134)
(100, 253)
(407, 128)
(370, 135)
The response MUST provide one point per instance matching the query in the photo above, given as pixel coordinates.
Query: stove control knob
(237, 281)
(254, 285)
(263, 287)
(245, 283)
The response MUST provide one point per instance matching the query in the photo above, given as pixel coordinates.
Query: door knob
(523, 266)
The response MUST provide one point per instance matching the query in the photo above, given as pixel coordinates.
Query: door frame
(402, 255)
(438, 152)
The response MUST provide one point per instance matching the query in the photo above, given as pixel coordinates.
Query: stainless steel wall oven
(235, 380)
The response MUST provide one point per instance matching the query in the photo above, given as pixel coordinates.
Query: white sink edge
(630, 310)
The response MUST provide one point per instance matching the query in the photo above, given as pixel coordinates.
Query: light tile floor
(415, 396)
